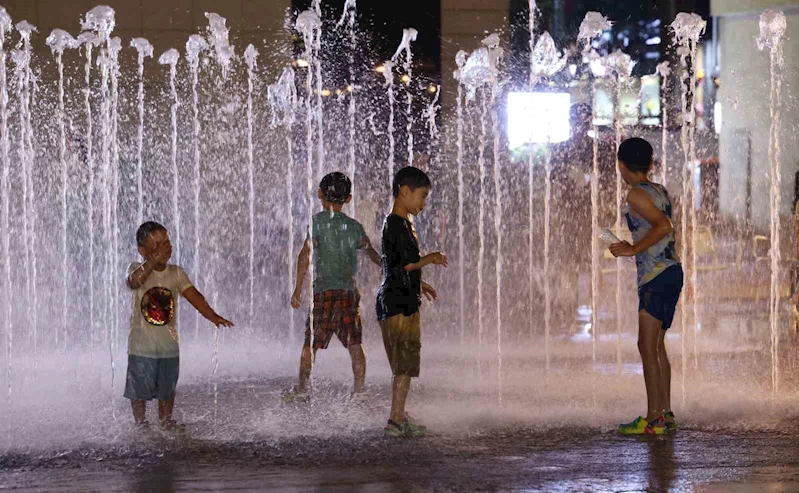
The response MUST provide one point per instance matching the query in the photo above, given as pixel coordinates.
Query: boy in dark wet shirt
(400, 294)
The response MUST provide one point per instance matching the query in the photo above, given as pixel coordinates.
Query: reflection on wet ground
(551, 439)
(505, 459)
(70, 430)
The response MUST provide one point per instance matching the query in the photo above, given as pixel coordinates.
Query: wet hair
(636, 154)
(146, 229)
(411, 177)
(336, 187)
(580, 113)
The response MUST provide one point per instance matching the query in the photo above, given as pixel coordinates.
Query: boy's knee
(647, 348)
(356, 351)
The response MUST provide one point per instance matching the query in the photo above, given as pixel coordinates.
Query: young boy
(400, 294)
(153, 352)
(336, 241)
(660, 281)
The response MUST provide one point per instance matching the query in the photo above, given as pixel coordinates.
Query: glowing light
(538, 117)
(598, 68)
(432, 89)
(326, 92)
(339, 92)
(406, 78)
(380, 69)
(350, 88)
(302, 63)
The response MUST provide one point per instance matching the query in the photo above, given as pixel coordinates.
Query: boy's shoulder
(395, 219)
(352, 221)
(395, 225)
(340, 217)
(177, 269)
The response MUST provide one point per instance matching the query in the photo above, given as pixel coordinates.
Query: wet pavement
(253, 442)
(508, 459)
(527, 429)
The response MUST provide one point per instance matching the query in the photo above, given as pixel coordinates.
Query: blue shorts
(151, 378)
(659, 296)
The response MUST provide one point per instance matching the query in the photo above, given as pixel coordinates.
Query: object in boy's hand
(608, 237)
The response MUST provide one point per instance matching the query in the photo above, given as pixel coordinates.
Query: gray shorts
(151, 378)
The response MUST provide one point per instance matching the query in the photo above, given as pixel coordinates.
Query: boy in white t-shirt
(153, 352)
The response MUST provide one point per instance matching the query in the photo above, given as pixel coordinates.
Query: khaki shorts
(403, 340)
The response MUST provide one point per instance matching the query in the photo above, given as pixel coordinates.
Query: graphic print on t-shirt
(158, 306)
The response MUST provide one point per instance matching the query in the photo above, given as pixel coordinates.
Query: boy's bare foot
(172, 425)
(358, 397)
(295, 396)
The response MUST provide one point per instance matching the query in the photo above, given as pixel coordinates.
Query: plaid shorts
(335, 312)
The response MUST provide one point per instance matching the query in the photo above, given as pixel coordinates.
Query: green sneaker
(415, 426)
(293, 396)
(656, 427)
(406, 429)
(671, 422)
(637, 427)
(395, 430)
(414, 430)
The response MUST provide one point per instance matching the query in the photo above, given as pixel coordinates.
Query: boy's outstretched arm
(198, 301)
(303, 261)
(370, 252)
(436, 258)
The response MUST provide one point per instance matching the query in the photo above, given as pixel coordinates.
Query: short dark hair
(411, 177)
(146, 229)
(336, 187)
(579, 113)
(636, 154)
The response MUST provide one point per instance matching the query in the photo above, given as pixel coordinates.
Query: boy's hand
(438, 258)
(429, 292)
(296, 299)
(219, 321)
(622, 249)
